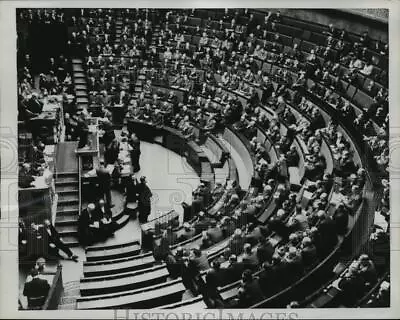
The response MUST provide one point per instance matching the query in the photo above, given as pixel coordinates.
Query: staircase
(67, 188)
(70, 295)
(79, 78)
(118, 28)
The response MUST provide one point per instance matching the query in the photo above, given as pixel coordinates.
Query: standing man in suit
(36, 290)
(144, 204)
(83, 133)
(54, 241)
(104, 180)
(134, 142)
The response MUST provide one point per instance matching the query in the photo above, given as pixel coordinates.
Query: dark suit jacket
(131, 191)
(216, 278)
(309, 255)
(252, 291)
(25, 179)
(54, 236)
(36, 291)
(234, 272)
(104, 177)
(215, 234)
(236, 245)
(83, 224)
(269, 282)
(99, 214)
(200, 263)
(327, 230)
(265, 252)
(250, 261)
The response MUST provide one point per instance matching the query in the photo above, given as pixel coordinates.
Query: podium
(118, 114)
(91, 150)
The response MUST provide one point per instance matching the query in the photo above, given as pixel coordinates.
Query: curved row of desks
(293, 31)
(250, 160)
(171, 289)
(314, 274)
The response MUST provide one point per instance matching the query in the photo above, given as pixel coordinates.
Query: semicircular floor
(169, 176)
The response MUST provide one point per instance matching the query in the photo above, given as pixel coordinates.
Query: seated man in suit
(25, 177)
(234, 270)
(237, 242)
(88, 225)
(251, 289)
(255, 233)
(36, 290)
(107, 225)
(308, 252)
(54, 241)
(215, 278)
(187, 232)
(171, 235)
(265, 250)
(198, 260)
(202, 222)
(250, 259)
(215, 232)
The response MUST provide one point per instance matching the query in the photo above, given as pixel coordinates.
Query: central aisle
(169, 176)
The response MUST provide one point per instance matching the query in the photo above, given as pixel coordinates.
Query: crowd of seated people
(225, 47)
(54, 81)
(213, 74)
(310, 232)
(381, 299)
(321, 228)
(238, 71)
(357, 279)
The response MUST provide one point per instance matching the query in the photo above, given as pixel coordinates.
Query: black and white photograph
(194, 158)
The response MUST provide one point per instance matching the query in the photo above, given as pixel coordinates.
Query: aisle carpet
(66, 159)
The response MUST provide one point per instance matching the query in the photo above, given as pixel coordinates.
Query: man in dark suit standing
(134, 142)
(83, 133)
(144, 204)
(54, 241)
(104, 180)
(36, 290)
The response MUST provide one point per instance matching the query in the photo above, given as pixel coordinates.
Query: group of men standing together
(95, 222)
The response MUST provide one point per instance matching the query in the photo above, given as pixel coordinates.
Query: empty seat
(109, 253)
(123, 281)
(117, 266)
(149, 297)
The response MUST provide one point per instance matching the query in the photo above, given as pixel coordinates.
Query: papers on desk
(92, 128)
(39, 182)
(91, 173)
(106, 221)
